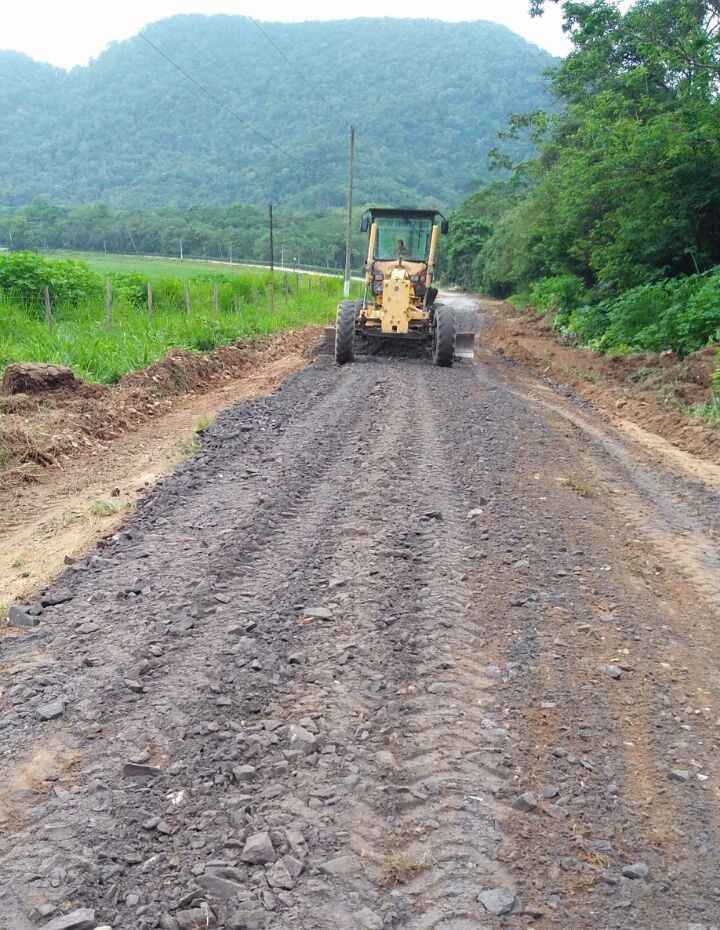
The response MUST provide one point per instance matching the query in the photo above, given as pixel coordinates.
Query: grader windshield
(402, 237)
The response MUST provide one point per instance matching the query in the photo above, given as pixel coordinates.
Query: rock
(612, 671)
(497, 901)
(193, 919)
(35, 378)
(247, 919)
(20, 616)
(168, 923)
(679, 775)
(133, 770)
(341, 866)
(104, 927)
(86, 628)
(385, 759)
(318, 613)
(550, 791)
(259, 849)
(51, 710)
(223, 888)
(638, 870)
(284, 873)
(297, 843)
(53, 598)
(473, 514)
(244, 773)
(300, 738)
(136, 686)
(526, 802)
(82, 919)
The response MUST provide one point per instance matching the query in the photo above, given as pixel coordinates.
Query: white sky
(70, 32)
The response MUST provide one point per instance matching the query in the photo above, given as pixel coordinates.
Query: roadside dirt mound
(40, 430)
(652, 391)
(35, 378)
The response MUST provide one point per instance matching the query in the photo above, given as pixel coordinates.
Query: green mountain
(428, 99)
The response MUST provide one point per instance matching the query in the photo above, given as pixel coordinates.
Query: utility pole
(348, 235)
(272, 262)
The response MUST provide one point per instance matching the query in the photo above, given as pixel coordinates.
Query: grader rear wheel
(345, 332)
(443, 337)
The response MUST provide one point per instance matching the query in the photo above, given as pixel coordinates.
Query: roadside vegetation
(614, 228)
(101, 340)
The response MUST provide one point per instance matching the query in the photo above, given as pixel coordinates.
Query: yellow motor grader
(399, 299)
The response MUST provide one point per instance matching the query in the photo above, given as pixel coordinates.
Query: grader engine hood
(396, 303)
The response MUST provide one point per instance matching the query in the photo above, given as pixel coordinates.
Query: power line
(212, 97)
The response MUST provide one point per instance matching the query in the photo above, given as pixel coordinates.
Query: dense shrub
(131, 286)
(26, 275)
(561, 292)
(682, 314)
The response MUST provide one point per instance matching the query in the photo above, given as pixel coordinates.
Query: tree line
(237, 232)
(615, 223)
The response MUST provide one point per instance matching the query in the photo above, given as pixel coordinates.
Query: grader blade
(464, 345)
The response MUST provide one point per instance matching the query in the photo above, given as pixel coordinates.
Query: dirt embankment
(653, 392)
(80, 457)
(47, 428)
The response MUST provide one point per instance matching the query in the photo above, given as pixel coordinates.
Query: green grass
(710, 412)
(80, 339)
(104, 508)
(152, 268)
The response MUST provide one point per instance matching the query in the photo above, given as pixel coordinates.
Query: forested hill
(428, 99)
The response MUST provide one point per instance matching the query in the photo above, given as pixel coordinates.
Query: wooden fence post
(108, 304)
(216, 299)
(188, 307)
(48, 308)
(150, 306)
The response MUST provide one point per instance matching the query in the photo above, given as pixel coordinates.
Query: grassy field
(152, 267)
(82, 338)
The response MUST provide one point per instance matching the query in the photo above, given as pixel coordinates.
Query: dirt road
(400, 647)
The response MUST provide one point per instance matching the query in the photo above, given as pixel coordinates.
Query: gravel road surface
(400, 647)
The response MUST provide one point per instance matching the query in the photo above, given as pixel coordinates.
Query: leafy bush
(682, 314)
(561, 292)
(131, 286)
(26, 275)
(698, 321)
(584, 325)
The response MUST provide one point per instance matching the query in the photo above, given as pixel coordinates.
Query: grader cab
(399, 301)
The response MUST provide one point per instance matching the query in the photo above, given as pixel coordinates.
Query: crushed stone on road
(358, 664)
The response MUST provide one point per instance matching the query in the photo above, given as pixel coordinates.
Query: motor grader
(399, 301)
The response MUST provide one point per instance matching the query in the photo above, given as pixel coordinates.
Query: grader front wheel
(443, 337)
(345, 332)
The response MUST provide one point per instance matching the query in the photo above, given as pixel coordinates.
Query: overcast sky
(70, 32)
